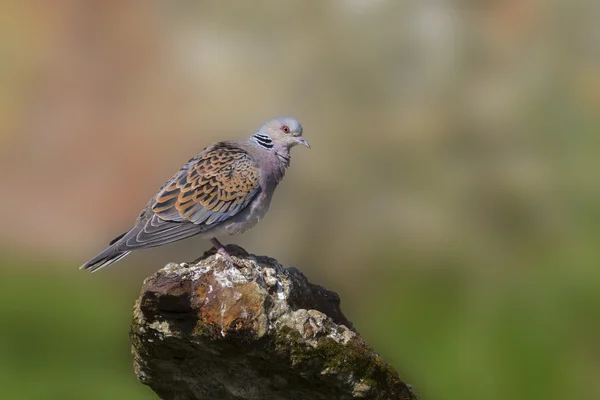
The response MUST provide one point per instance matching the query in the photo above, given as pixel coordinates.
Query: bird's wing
(211, 188)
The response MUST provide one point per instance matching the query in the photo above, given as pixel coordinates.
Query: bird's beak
(303, 142)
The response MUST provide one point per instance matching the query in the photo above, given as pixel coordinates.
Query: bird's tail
(108, 256)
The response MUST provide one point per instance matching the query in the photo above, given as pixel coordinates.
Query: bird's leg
(222, 252)
(220, 248)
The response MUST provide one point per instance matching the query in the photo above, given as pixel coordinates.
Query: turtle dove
(224, 190)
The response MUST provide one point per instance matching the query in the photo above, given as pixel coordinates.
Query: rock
(247, 328)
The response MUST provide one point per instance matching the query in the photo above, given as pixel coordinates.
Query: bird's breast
(250, 216)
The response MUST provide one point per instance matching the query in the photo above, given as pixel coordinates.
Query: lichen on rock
(247, 328)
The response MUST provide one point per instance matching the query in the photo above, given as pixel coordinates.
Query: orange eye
(285, 129)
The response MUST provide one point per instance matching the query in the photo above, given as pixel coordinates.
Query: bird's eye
(285, 129)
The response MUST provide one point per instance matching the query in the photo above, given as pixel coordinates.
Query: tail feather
(115, 240)
(104, 259)
(154, 232)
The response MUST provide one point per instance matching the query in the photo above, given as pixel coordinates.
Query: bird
(224, 190)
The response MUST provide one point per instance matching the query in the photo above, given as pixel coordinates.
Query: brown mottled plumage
(224, 190)
(217, 184)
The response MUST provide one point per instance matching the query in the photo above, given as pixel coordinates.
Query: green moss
(288, 340)
(202, 330)
(354, 358)
(351, 357)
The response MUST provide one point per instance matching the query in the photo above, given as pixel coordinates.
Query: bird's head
(281, 132)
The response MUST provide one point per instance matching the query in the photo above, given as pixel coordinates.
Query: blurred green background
(451, 196)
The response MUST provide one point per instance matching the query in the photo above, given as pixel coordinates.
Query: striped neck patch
(263, 141)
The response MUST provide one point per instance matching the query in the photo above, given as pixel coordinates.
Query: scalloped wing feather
(211, 188)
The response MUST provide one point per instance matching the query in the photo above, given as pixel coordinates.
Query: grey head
(281, 133)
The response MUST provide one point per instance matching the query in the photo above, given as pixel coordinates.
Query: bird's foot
(228, 258)
(223, 253)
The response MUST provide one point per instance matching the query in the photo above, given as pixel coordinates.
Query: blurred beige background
(451, 194)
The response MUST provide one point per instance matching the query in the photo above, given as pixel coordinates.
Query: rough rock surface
(247, 328)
